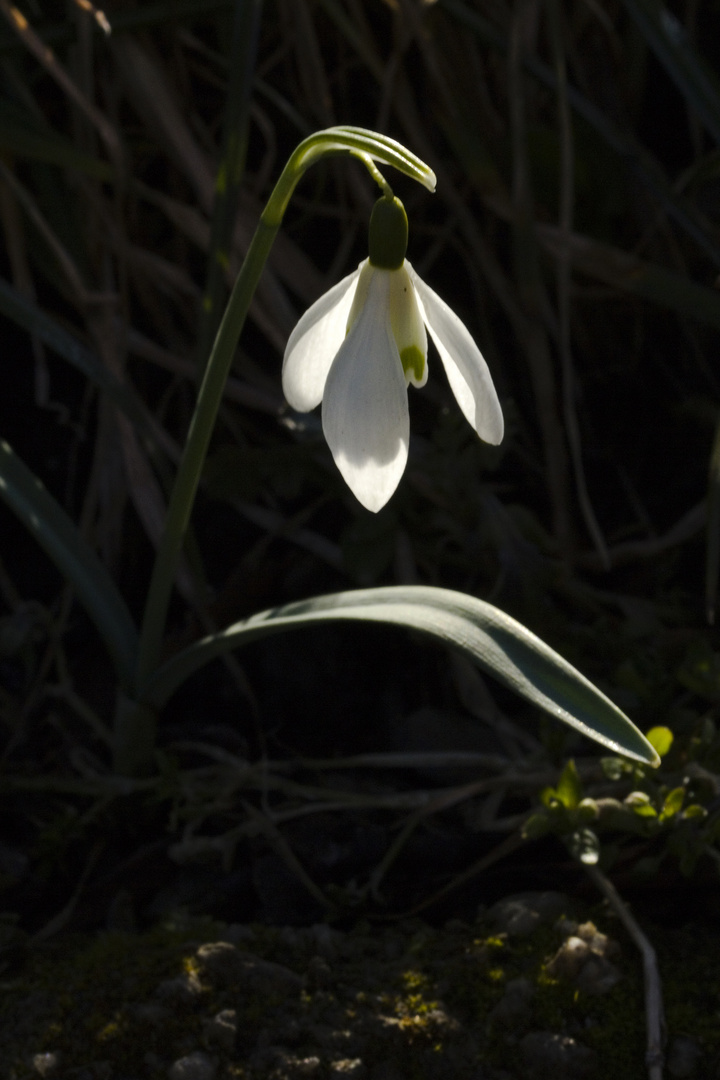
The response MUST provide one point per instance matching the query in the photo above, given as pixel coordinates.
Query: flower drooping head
(359, 347)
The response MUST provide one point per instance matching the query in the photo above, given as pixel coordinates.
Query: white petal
(314, 343)
(365, 410)
(467, 372)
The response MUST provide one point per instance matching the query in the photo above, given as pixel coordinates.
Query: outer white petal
(314, 343)
(365, 409)
(467, 372)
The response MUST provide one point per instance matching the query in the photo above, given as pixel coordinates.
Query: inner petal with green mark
(413, 363)
(408, 327)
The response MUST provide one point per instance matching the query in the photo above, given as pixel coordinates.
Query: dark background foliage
(575, 231)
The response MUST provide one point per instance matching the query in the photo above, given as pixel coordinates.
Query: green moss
(77, 998)
(73, 997)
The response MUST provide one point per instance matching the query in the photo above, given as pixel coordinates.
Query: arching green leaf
(495, 641)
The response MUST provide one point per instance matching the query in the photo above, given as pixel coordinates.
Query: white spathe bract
(357, 349)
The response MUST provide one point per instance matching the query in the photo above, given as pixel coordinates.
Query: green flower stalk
(369, 147)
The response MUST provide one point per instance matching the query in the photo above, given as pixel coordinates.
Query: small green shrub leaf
(661, 739)
(673, 803)
(569, 789)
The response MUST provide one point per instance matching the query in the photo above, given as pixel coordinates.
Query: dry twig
(654, 1014)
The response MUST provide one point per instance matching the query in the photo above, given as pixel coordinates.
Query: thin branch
(507, 847)
(46, 57)
(654, 1013)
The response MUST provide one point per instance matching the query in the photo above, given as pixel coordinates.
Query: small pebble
(46, 1064)
(151, 1013)
(599, 943)
(597, 976)
(548, 1056)
(318, 975)
(184, 990)
(328, 942)
(519, 915)
(516, 919)
(227, 967)
(239, 934)
(221, 1031)
(197, 1066)
(221, 962)
(514, 1006)
(309, 1066)
(292, 938)
(266, 1058)
(348, 1069)
(582, 959)
(568, 960)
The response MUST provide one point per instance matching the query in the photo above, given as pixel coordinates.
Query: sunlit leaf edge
(495, 641)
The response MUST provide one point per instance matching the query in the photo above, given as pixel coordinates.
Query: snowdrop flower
(359, 347)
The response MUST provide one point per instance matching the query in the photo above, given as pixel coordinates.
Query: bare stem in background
(654, 1013)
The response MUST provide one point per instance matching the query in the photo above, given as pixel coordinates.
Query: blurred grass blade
(565, 224)
(230, 171)
(21, 490)
(170, 11)
(668, 39)
(531, 287)
(97, 14)
(623, 271)
(61, 34)
(633, 154)
(22, 136)
(47, 60)
(354, 37)
(26, 314)
(494, 640)
(138, 18)
(712, 563)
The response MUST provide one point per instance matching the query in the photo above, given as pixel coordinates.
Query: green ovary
(388, 234)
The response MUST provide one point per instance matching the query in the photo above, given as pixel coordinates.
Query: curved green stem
(369, 146)
(195, 451)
